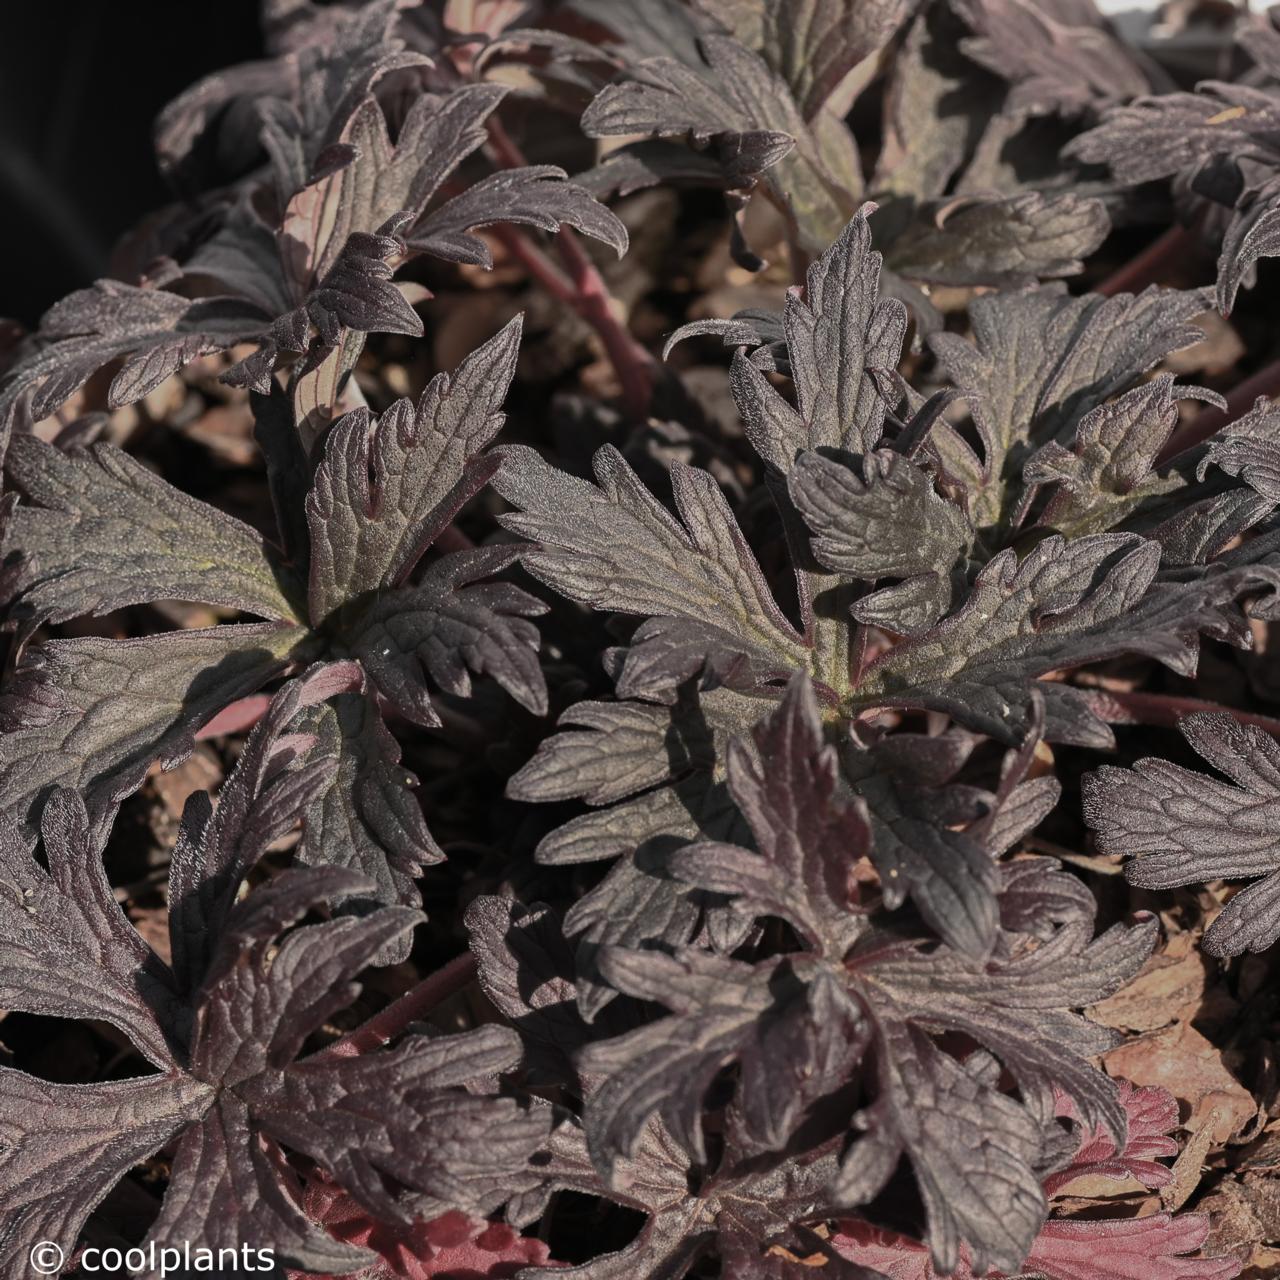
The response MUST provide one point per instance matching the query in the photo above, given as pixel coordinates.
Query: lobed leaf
(1002, 242)
(98, 531)
(447, 626)
(387, 487)
(812, 44)
(614, 546)
(1188, 827)
(809, 834)
(928, 1107)
(842, 341)
(537, 196)
(1039, 361)
(1052, 64)
(366, 817)
(93, 714)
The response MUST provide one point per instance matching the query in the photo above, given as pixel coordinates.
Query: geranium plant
(595, 620)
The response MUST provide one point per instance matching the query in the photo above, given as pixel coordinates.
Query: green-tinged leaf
(812, 44)
(99, 531)
(1000, 242)
(1039, 361)
(94, 715)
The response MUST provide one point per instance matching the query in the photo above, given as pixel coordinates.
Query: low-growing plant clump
(605, 620)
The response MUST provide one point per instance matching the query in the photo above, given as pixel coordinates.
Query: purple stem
(580, 286)
(1144, 269)
(1164, 710)
(414, 1005)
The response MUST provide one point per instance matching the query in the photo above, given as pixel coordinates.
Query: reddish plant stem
(1266, 382)
(415, 1004)
(580, 286)
(238, 717)
(537, 264)
(1164, 710)
(453, 539)
(1144, 269)
(632, 363)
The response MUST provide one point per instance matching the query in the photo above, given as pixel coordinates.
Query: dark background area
(80, 83)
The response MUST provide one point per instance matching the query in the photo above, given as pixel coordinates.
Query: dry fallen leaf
(1245, 1214)
(1191, 1068)
(1262, 1265)
(200, 771)
(1169, 988)
(1188, 1168)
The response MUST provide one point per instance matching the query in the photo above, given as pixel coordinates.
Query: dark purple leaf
(98, 531)
(1252, 233)
(1052, 64)
(1001, 242)
(614, 546)
(367, 817)
(640, 165)
(812, 44)
(389, 485)
(841, 337)
(446, 626)
(69, 952)
(1249, 448)
(527, 972)
(226, 1032)
(94, 714)
(882, 519)
(158, 332)
(64, 1146)
(1021, 1006)
(220, 1161)
(1038, 362)
(1110, 469)
(1188, 827)
(928, 1107)
(786, 782)
(1181, 133)
(538, 196)
(259, 803)
(1064, 604)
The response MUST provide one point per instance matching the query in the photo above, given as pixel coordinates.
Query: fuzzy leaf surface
(614, 546)
(447, 626)
(423, 460)
(1002, 242)
(93, 714)
(1064, 604)
(1188, 827)
(537, 196)
(99, 531)
(986, 1194)
(366, 817)
(234, 1016)
(840, 337)
(1039, 360)
(812, 44)
(1052, 64)
(808, 831)
(157, 331)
